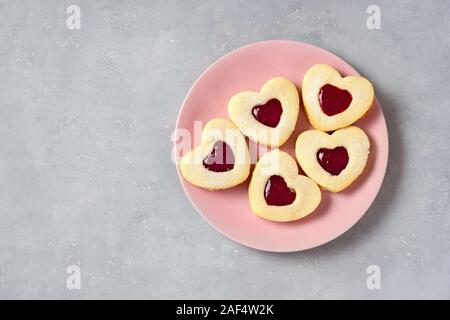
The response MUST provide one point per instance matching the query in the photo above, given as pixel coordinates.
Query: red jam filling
(220, 159)
(277, 193)
(334, 100)
(333, 160)
(268, 114)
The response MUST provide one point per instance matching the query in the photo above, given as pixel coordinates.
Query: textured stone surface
(85, 175)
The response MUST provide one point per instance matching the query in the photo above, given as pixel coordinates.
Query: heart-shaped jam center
(277, 193)
(333, 160)
(220, 159)
(268, 114)
(334, 100)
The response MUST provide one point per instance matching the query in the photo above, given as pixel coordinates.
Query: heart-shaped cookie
(221, 161)
(335, 160)
(278, 193)
(332, 102)
(269, 116)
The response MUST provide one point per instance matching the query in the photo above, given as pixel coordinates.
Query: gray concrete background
(85, 171)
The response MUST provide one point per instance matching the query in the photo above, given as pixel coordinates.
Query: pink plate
(248, 68)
